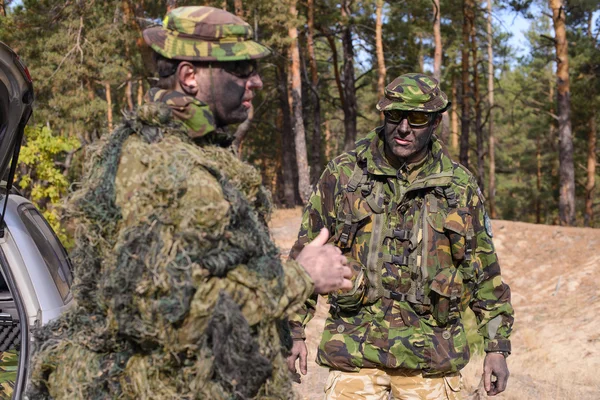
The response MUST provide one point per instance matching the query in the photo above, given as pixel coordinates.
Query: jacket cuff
(502, 345)
(297, 331)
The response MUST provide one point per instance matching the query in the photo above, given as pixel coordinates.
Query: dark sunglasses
(414, 118)
(242, 69)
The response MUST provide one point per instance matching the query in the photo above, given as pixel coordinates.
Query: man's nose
(254, 82)
(403, 126)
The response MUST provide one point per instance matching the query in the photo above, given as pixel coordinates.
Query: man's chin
(235, 118)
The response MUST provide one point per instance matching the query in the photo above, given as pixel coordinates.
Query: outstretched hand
(325, 264)
(495, 366)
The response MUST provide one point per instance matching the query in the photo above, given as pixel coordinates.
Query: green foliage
(39, 177)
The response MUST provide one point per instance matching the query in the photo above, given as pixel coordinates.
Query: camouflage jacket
(180, 292)
(420, 244)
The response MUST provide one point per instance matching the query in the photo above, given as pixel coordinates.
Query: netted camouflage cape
(179, 289)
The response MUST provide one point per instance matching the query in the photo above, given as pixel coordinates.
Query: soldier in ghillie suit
(180, 292)
(413, 225)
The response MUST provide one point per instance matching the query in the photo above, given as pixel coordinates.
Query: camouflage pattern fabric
(414, 92)
(430, 258)
(180, 292)
(204, 34)
(9, 364)
(377, 384)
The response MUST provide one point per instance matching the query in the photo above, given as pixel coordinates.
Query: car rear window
(53, 252)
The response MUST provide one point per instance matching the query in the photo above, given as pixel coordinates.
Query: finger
(347, 272)
(303, 363)
(321, 239)
(291, 363)
(346, 285)
(487, 380)
(501, 383)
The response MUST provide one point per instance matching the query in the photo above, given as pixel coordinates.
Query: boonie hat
(414, 92)
(204, 34)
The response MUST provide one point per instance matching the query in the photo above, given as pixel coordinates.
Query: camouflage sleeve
(491, 297)
(318, 213)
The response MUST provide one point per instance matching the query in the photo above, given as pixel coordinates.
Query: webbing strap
(400, 234)
(375, 198)
(395, 259)
(374, 262)
(398, 296)
(357, 177)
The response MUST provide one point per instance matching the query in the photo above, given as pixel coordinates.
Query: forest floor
(556, 295)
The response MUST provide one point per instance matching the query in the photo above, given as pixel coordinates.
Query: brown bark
(492, 150)
(109, 113)
(590, 184)
(454, 114)
(437, 64)
(2, 9)
(538, 199)
(336, 67)
(304, 187)
(140, 92)
(288, 156)
(468, 15)
(566, 201)
(381, 71)
(437, 39)
(316, 101)
(477, 106)
(238, 8)
(129, 92)
(350, 106)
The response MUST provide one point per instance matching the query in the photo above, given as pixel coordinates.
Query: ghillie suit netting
(180, 293)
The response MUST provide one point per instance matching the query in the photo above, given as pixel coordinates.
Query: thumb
(321, 239)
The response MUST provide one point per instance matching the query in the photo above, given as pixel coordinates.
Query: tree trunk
(538, 198)
(477, 99)
(381, 71)
(129, 92)
(314, 82)
(454, 114)
(492, 155)
(140, 92)
(350, 107)
(566, 202)
(238, 8)
(336, 68)
(590, 184)
(437, 64)
(466, 92)
(288, 156)
(109, 113)
(304, 187)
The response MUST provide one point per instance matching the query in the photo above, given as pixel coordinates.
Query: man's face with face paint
(405, 143)
(228, 88)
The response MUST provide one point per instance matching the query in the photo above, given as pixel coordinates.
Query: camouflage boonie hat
(414, 92)
(204, 34)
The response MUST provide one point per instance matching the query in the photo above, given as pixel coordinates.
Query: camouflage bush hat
(414, 92)
(204, 34)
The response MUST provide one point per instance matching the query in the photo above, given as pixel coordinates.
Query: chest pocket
(354, 214)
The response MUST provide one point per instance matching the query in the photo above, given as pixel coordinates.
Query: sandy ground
(555, 292)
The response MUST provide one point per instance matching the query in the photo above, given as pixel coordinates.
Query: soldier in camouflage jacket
(413, 225)
(180, 292)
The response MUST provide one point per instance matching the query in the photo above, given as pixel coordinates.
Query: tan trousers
(377, 384)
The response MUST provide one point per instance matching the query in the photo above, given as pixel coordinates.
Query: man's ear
(438, 118)
(186, 78)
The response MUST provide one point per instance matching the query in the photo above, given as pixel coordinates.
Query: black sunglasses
(242, 69)
(414, 118)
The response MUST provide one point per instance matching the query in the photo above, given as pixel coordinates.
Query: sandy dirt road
(554, 274)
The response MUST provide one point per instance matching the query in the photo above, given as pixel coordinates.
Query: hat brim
(174, 46)
(435, 105)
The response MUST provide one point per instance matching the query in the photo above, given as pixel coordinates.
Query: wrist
(504, 353)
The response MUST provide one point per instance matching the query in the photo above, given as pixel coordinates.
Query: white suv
(35, 271)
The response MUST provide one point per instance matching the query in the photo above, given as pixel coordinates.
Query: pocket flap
(456, 220)
(448, 283)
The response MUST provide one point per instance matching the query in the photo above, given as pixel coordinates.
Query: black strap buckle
(401, 234)
(398, 296)
(400, 260)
